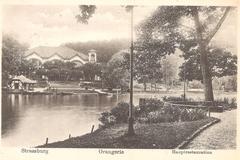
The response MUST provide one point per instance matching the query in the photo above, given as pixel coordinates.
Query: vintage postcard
(119, 80)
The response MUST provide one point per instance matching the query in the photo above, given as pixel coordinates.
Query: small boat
(101, 92)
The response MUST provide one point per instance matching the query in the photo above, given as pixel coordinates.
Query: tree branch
(198, 25)
(214, 31)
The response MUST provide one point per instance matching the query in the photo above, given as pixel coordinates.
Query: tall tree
(12, 54)
(185, 27)
(116, 72)
(147, 68)
(90, 70)
(221, 63)
(170, 68)
(58, 70)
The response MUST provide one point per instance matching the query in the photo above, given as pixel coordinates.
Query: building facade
(43, 54)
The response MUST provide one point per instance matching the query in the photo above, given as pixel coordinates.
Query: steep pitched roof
(23, 79)
(64, 52)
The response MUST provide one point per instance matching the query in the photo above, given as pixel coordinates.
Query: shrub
(233, 103)
(172, 98)
(173, 111)
(107, 119)
(176, 99)
(156, 117)
(226, 103)
(195, 84)
(170, 113)
(184, 115)
(225, 100)
(148, 105)
(118, 114)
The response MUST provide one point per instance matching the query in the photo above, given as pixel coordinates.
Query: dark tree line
(12, 56)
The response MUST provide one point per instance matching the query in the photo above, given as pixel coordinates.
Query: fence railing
(186, 105)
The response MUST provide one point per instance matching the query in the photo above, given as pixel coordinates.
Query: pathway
(219, 136)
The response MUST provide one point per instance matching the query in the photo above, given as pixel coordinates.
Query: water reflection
(28, 119)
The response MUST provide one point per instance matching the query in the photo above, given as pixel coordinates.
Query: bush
(226, 103)
(107, 119)
(233, 103)
(118, 114)
(148, 105)
(172, 98)
(170, 113)
(195, 84)
(173, 111)
(156, 117)
(176, 99)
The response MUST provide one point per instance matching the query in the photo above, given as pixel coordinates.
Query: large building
(43, 54)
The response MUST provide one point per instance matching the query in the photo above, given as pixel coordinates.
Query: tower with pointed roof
(92, 56)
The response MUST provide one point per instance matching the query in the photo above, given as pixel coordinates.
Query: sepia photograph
(119, 77)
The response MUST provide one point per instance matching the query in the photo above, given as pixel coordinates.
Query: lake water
(28, 119)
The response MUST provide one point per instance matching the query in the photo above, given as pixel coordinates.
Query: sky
(52, 25)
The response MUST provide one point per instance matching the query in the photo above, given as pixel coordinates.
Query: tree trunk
(144, 86)
(207, 78)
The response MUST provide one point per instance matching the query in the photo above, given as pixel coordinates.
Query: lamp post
(184, 83)
(130, 117)
(165, 72)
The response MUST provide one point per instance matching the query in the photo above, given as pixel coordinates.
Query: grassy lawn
(69, 86)
(158, 135)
